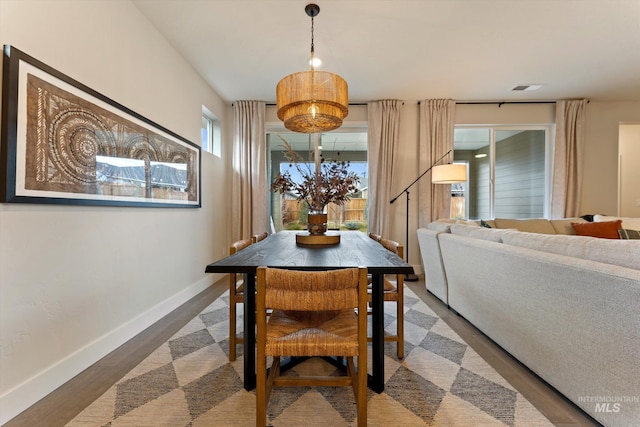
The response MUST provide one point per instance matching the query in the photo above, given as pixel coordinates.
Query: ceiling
(468, 50)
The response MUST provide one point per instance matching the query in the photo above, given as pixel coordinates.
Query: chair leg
(261, 390)
(351, 372)
(232, 327)
(400, 329)
(274, 372)
(361, 396)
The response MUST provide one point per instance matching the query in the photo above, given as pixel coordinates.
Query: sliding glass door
(509, 171)
(519, 170)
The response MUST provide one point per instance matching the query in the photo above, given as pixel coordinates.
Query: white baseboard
(21, 397)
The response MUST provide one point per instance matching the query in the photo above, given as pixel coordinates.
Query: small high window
(210, 133)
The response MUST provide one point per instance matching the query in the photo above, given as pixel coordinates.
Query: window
(210, 133)
(289, 214)
(508, 171)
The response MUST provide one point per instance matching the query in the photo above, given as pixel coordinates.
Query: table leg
(249, 331)
(376, 381)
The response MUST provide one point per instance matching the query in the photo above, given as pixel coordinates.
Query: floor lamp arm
(413, 277)
(406, 190)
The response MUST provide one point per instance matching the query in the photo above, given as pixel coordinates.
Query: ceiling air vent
(527, 87)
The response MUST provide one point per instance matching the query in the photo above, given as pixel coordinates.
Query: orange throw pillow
(605, 230)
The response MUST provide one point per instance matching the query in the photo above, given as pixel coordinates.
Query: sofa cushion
(623, 253)
(563, 226)
(441, 226)
(492, 234)
(470, 222)
(535, 225)
(605, 230)
(627, 222)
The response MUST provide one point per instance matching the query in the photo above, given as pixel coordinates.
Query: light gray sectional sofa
(567, 307)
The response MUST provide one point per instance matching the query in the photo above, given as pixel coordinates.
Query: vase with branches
(330, 182)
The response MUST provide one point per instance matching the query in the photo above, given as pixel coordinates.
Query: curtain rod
(499, 103)
(504, 102)
(351, 104)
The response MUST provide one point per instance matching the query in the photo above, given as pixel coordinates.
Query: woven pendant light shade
(312, 101)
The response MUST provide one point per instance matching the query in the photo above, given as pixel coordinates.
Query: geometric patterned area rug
(189, 382)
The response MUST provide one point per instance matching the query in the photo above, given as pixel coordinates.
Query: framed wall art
(63, 142)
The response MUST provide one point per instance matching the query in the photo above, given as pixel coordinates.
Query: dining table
(281, 250)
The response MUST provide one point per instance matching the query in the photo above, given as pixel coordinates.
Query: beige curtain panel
(249, 182)
(437, 121)
(568, 159)
(384, 136)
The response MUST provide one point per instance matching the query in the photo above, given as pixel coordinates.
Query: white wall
(76, 282)
(629, 152)
(600, 183)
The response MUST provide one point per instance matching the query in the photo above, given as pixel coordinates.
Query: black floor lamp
(442, 174)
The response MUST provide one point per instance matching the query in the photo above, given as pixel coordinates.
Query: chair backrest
(239, 245)
(312, 290)
(397, 249)
(375, 237)
(393, 246)
(233, 277)
(259, 237)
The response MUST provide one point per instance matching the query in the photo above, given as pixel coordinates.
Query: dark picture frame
(64, 143)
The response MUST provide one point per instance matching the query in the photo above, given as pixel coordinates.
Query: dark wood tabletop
(280, 250)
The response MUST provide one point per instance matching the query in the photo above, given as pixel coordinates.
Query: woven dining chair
(259, 237)
(394, 292)
(236, 296)
(313, 314)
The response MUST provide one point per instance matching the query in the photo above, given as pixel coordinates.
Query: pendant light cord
(312, 46)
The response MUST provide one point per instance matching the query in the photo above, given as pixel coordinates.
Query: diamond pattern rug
(189, 381)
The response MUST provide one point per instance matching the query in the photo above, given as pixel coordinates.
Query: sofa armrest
(435, 278)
